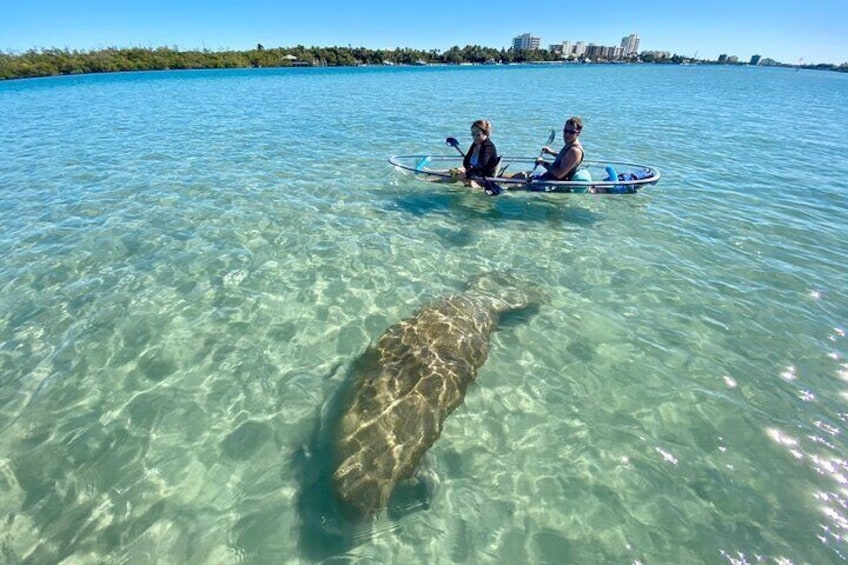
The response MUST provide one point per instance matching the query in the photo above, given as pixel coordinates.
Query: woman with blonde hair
(481, 159)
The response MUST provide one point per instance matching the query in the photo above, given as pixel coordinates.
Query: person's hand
(547, 151)
(539, 161)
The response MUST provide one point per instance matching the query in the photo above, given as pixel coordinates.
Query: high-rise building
(579, 48)
(630, 44)
(594, 51)
(755, 60)
(562, 49)
(525, 41)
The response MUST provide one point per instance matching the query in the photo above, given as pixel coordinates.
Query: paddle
(551, 137)
(455, 144)
(490, 187)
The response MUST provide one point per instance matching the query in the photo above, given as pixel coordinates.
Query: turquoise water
(194, 260)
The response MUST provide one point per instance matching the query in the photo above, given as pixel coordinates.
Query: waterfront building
(563, 49)
(580, 49)
(657, 55)
(603, 52)
(594, 51)
(525, 41)
(755, 60)
(630, 44)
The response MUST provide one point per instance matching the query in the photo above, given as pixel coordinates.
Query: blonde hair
(483, 125)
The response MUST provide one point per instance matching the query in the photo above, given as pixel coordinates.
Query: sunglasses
(570, 131)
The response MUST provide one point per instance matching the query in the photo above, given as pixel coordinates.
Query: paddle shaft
(551, 137)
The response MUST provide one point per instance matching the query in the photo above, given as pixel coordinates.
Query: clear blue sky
(785, 30)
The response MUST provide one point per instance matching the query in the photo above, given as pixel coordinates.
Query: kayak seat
(498, 169)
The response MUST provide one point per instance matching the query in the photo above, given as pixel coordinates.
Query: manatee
(408, 383)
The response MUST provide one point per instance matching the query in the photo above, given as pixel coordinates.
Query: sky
(809, 31)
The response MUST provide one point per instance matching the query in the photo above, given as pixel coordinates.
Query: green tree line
(49, 62)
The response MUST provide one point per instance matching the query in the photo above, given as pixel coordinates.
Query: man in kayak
(568, 159)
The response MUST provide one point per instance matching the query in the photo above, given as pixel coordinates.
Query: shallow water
(195, 260)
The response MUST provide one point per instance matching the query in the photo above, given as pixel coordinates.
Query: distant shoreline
(54, 62)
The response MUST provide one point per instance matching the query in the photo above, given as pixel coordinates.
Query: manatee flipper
(324, 533)
(416, 493)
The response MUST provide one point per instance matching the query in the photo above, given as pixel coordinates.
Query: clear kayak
(599, 177)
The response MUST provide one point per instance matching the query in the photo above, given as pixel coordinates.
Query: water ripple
(194, 257)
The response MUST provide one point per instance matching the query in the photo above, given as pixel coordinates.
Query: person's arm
(488, 160)
(466, 160)
(486, 153)
(568, 162)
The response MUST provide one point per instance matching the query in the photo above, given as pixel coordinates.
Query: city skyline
(786, 33)
(628, 49)
(568, 49)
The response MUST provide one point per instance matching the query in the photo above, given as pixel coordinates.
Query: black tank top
(570, 174)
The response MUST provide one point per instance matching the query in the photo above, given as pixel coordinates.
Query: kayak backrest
(498, 170)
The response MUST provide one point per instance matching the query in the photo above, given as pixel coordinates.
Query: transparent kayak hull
(605, 177)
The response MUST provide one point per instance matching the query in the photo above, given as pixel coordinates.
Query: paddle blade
(491, 188)
(551, 137)
(455, 144)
